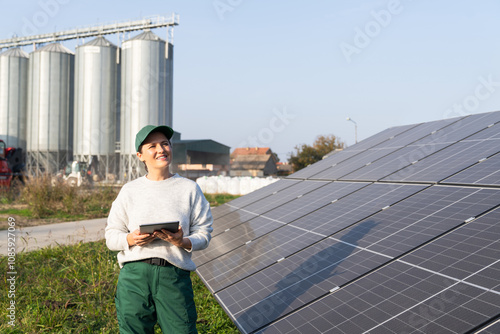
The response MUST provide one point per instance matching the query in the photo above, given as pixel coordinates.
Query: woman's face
(156, 151)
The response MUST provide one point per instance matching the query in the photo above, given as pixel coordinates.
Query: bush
(48, 199)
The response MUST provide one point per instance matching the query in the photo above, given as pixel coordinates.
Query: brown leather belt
(156, 261)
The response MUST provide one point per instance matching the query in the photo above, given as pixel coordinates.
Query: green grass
(218, 199)
(211, 317)
(70, 289)
(25, 212)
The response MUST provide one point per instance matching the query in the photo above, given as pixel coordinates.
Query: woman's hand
(137, 239)
(176, 239)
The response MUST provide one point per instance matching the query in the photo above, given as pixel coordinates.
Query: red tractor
(11, 165)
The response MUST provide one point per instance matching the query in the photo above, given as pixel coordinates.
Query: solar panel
(360, 160)
(451, 159)
(280, 198)
(295, 282)
(462, 128)
(238, 234)
(450, 285)
(335, 158)
(226, 214)
(253, 196)
(382, 137)
(372, 199)
(365, 202)
(418, 132)
(248, 211)
(393, 162)
(425, 216)
(236, 237)
(254, 256)
(438, 133)
(400, 234)
(231, 220)
(417, 151)
(485, 172)
(313, 201)
(344, 257)
(468, 254)
(455, 158)
(397, 298)
(222, 210)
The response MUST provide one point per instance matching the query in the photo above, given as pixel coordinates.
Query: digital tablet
(150, 228)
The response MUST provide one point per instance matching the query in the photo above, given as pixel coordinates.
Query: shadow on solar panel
(413, 249)
(291, 289)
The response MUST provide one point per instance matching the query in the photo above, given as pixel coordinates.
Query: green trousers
(147, 294)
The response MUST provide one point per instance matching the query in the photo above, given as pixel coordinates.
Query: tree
(306, 155)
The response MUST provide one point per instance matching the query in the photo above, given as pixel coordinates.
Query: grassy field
(70, 289)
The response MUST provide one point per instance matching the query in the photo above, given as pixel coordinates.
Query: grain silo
(146, 93)
(96, 104)
(13, 97)
(50, 109)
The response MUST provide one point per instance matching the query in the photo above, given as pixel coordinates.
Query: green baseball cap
(145, 131)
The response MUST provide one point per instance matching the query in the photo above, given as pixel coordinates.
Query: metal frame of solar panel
(359, 243)
(491, 328)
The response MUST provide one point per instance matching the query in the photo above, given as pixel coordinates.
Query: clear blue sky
(279, 73)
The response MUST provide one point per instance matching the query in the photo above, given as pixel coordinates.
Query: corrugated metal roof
(202, 145)
(54, 47)
(189, 141)
(99, 41)
(16, 52)
(147, 35)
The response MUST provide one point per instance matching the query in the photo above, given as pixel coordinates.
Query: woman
(154, 284)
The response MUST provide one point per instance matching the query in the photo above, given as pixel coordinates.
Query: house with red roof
(253, 161)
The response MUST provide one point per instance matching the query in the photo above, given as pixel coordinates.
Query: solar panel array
(399, 233)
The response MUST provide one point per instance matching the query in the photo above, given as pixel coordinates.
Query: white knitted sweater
(144, 201)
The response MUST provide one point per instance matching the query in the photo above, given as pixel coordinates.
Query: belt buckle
(156, 261)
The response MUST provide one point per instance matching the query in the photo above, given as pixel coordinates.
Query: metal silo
(96, 71)
(170, 83)
(146, 93)
(50, 109)
(13, 97)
